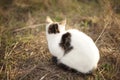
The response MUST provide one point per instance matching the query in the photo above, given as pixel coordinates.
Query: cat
(72, 47)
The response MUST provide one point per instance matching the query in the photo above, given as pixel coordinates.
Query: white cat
(72, 48)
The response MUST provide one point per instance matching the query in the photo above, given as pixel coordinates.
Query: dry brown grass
(24, 54)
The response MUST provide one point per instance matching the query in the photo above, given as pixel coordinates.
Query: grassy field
(24, 54)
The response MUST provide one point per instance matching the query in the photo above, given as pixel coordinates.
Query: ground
(24, 50)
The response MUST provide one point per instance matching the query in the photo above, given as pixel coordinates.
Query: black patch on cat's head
(66, 42)
(53, 29)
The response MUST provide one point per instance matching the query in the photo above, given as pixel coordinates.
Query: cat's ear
(63, 22)
(48, 20)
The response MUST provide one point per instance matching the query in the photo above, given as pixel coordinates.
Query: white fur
(83, 57)
(53, 42)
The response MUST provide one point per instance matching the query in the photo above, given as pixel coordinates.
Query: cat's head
(54, 27)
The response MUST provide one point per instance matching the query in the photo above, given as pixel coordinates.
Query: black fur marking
(53, 29)
(63, 66)
(54, 59)
(66, 42)
(66, 68)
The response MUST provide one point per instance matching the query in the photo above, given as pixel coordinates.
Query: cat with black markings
(71, 48)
